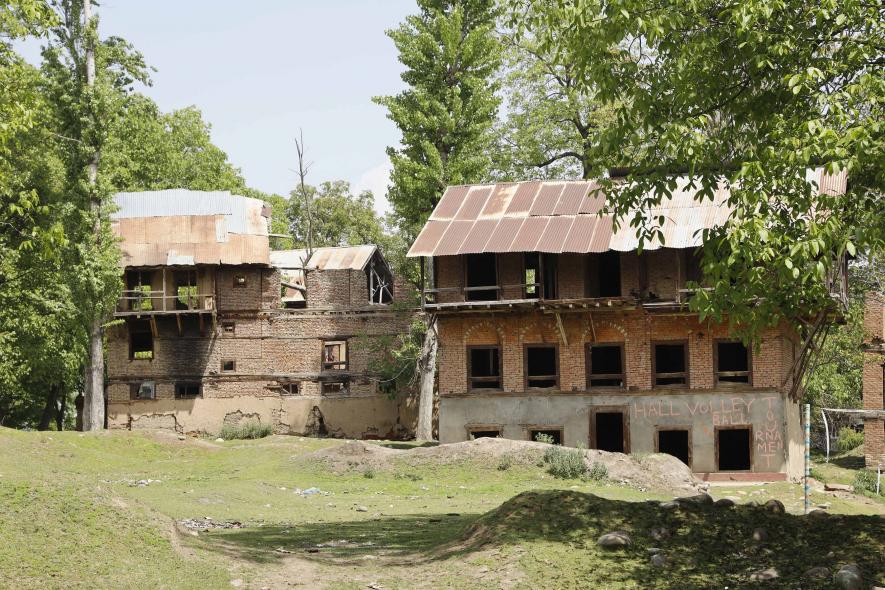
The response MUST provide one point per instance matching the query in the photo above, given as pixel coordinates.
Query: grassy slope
(65, 497)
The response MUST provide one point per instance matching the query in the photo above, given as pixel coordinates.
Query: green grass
(72, 515)
(248, 430)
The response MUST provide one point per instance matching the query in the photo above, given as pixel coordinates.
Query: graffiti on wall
(768, 440)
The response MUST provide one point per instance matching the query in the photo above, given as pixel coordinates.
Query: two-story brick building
(551, 322)
(874, 380)
(217, 328)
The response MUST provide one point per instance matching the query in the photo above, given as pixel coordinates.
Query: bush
(246, 430)
(505, 463)
(598, 472)
(565, 463)
(544, 438)
(865, 481)
(369, 473)
(848, 439)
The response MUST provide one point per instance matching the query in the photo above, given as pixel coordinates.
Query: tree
(748, 95)
(451, 54)
(340, 218)
(551, 121)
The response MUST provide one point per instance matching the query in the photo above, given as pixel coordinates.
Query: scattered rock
(220, 440)
(838, 487)
(669, 505)
(818, 513)
(751, 504)
(724, 503)
(824, 505)
(765, 575)
(659, 560)
(361, 509)
(614, 540)
(775, 506)
(653, 550)
(760, 535)
(237, 583)
(848, 577)
(660, 533)
(818, 572)
(205, 524)
(702, 498)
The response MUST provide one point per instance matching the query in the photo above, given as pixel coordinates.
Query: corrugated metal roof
(182, 228)
(564, 217)
(324, 258)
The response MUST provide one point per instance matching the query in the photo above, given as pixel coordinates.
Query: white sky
(259, 70)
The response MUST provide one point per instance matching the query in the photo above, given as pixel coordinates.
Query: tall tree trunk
(93, 411)
(60, 416)
(50, 409)
(426, 381)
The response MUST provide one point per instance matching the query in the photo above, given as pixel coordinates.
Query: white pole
(807, 451)
(826, 433)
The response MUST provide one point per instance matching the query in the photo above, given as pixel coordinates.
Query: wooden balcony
(151, 303)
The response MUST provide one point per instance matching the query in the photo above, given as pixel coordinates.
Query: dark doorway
(532, 275)
(733, 449)
(676, 443)
(475, 434)
(610, 274)
(609, 428)
(550, 275)
(541, 367)
(555, 436)
(481, 271)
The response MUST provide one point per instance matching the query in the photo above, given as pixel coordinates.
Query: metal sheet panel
(571, 199)
(450, 202)
(523, 198)
(546, 199)
(580, 234)
(529, 234)
(451, 241)
(555, 233)
(499, 200)
(426, 242)
(474, 203)
(479, 235)
(504, 234)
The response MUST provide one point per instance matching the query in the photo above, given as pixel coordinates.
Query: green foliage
(450, 54)
(865, 481)
(393, 358)
(505, 463)
(747, 94)
(340, 218)
(565, 463)
(848, 439)
(598, 472)
(249, 429)
(369, 473)
(544, 438)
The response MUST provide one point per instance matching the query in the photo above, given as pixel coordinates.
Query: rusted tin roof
(325, 258)
(564, 216)
(184, 228)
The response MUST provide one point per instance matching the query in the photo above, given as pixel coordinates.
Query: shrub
(246, 430)
(369, 473)
(849, 439)
(505, 463)
(544, 438)
(408, 475)
(564, 463)
(865, 481)
(598, 472)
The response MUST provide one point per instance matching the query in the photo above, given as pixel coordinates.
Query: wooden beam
(592, 328)
(178, 321)
(562, 333)
(154, 331)
(202, 326)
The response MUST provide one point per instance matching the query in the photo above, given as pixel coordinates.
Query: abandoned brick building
(874, 380)
(551, 323)
(216, 328)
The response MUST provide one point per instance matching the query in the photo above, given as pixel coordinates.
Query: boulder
(760, 535)
(702, 498)
(818, 572)
(775, 506)
(669, 505)
(838, 487)
(818, 514)
(614, 540)
(724, 503)
(659, 560)
(764, 575)
(660, 533)
(848, 577)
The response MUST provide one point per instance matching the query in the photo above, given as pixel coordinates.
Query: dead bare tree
(303, 169)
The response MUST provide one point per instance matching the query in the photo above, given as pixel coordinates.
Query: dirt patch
(654, 471)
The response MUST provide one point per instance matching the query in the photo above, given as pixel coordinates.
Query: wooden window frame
(150, 331)
(716, 430)
(228, 333)
(286, 391)
(199, 393)
(345, 387)
(135, 387)
(496, 287)
(471, 428)
(679, 427)
(588, 364)
(654, 369)
(717, 372)
(237, 284)
(335, 365)
(625, 420)
(525, 367)
(539, 285)
(470, 377)
(233, 368)
(545, 427)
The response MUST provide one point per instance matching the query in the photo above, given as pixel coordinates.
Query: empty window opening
(482, 277)
(670, 364)
(610, 274)
(240, 281)
(484, 367)
(609, 432)
(380, 281)
(733, 449)
(475, 434)
(185, 289)
(228, 366)
(532, 275)
(605, 365)
(541, 366)
(549, 274)
(143, 390)
(732, 362)
(138, 290)
(676, 443)
(333, 387)
(141, 340)
(228, 328)
(335, 355)
(290, 388)
(547, 435)
(187, 389)
(693, 270)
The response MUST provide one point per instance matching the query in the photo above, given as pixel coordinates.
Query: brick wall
(873, 377)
